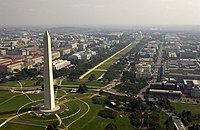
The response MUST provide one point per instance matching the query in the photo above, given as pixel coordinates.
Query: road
(155, 74)
(158, 64)
(177, 122)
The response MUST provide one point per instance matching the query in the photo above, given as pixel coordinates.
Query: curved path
(13, 117)
(24, 92)
(58, 118)
(88, 109)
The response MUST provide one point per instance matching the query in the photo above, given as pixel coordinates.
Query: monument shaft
(49, 99)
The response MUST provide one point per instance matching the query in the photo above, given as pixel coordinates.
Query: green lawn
(75, 95)
(179, 107)
(83, 109)
(114, 59)
(10, 126)
(92, 121)
(107, 64)
(10, 107)
(122, 122)
(96, 73)
(110, 62)
(73, 106)
(4, 95)
(60, 93)
(163, 118)
(94, 83)
(25, 83)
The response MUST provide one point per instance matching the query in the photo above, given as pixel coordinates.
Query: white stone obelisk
(49, 99)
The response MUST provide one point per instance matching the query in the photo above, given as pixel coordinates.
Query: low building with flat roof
(182, 69)
(165, 93)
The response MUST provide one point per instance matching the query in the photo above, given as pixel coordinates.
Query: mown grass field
(10, 126)
(25, 83)
(10, 107)
(92, 121)
(93, 83)
(77, 107)
(194, 108)
(110, 62)
(163, 118)
(96, 73)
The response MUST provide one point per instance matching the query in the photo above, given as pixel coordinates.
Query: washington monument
(49, 99)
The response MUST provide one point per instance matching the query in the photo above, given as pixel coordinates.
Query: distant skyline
(99, 12)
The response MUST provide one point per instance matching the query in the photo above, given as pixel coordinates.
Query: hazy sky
(99, 12)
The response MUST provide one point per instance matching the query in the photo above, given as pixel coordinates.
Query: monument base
(39, 109)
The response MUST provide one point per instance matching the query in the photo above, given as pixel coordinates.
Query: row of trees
(107, 113)
(115, 70)
(141, 114)
(24, 74)
(131, 88)
(82, 66)
(186, 117)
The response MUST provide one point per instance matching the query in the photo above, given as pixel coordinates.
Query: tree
(82, 88)
(42, 87)
(53, 126)
(107, 113)
(135, 118)
(100, 92)
(91, 77)
(169, 123)
(111, 126)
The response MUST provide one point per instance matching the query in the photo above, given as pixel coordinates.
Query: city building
(188, 54)
(143, 70)
(82, 47)
(195, 92)
(65, 51)
(182, 69)
(172, 55)
(147, 60)
(75, 56)
(191, 87)
(55, 55)
(59, 64)
(164, 93)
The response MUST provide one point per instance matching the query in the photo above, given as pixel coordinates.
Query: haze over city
(99, 12)
(100, 65)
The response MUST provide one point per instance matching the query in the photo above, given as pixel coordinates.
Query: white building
(59, 64)
(75, 56)
(15, 66)
(82, 55)
(143, 70)
(55, 55)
